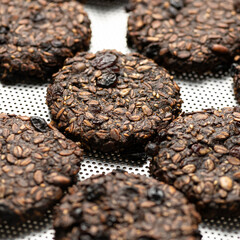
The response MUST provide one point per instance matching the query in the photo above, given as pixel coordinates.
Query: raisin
(233, 69)
(38, 17)
(162, 135)
(2, 39)
(4, 29)
(84, 226)
(119, 170)
(94, 192)
(221, 68)
(196, 147)
(97, 121)
(152, 50)
(57, 44)
(94, 108)
(178, 4)
(173, 11)
(235, 151)
(46, 46)
(155, 194)
(152, 149)
(115, 69)
(104, 61)
(54, 93)
(130, 191)
(77, 213)
(111, 220)
(129, 7)
(39, 124)
(57, 90)
(108, 79)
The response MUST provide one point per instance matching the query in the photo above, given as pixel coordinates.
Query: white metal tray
(109, 26)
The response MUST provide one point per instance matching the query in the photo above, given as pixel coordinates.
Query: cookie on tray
(186, 36)
(111, 101)
(200, 156)
(36, 36)
(125, 206)
(37, 164)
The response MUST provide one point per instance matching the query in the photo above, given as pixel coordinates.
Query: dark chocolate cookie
(186, 35)
(235, 72)
(111, 101)
(36, 36)
(122, 206)
(201, 157)
(37, 164)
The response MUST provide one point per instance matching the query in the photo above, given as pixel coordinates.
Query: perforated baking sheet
(109, 25)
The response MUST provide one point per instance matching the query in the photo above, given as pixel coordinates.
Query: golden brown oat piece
(125, 206)
(186, 35)
(37, 163)
(111, 101)
(200, 156)
(36, 37)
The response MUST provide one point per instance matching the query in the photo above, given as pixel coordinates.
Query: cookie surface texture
(125, 206)
(186, 35)
(36, 37)
(37, 164)
(111, 101)
(201, 158)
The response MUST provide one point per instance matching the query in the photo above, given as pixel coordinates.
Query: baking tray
(109, 25)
